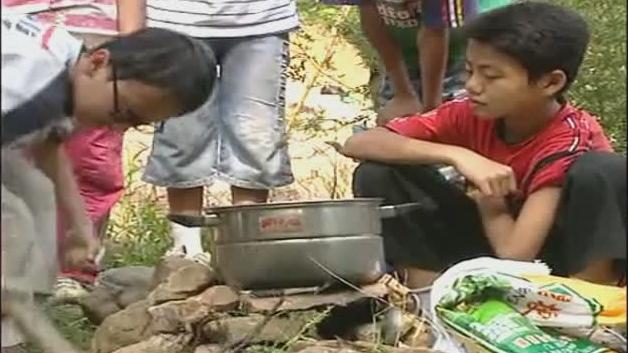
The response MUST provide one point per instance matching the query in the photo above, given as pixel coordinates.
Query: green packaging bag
(477, 307)
(488, 5)
(499, 328)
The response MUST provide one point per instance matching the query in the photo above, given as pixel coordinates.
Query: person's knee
(592, 167)
(368, 178)
(596, 161)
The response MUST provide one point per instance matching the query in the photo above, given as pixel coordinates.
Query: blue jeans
(238, 136)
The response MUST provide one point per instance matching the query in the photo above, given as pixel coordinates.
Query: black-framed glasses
(126, 116)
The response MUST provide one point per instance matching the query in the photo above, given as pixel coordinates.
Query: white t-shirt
(223, 18)
(36, 88)
(77, 16)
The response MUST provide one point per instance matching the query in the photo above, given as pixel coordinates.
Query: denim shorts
(239, 135)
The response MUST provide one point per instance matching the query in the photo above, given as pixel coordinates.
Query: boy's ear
(97, 60)
(553, 82)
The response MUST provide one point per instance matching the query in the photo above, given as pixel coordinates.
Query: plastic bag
(474, 308)
(575, 308)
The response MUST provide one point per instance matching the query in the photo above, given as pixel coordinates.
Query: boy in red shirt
(545, 181)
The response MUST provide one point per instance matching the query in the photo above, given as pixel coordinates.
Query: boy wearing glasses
(52, 86)
(94, 153)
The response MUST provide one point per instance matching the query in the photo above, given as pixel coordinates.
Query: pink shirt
(78, 16)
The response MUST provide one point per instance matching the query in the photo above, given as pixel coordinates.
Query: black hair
(542, 37)
(166, 59)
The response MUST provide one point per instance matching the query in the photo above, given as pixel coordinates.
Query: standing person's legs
(17, 232)
(589, 239)
(28, 237)
(16, 222)
(22, 178)
(253, 142)
(238, 136)
(184, 158)
(187, 240)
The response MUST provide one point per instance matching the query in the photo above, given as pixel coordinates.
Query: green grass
(601, 85)
(139, 235)
(72, 325)
(314, 12)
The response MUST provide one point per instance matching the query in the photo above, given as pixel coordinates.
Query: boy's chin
(482, 113)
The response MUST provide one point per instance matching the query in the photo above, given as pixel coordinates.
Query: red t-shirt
(540, 161)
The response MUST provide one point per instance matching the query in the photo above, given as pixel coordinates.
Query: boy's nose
(472, 86)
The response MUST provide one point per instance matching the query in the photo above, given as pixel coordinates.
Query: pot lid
(296, 204)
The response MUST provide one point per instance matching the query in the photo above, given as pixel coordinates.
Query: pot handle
(210, 220)
(391, 211)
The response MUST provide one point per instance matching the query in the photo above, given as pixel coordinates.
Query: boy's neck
(526, 124)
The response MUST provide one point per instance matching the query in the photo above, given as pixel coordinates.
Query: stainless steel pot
(296, 244)
(292, 263)
(289, 220)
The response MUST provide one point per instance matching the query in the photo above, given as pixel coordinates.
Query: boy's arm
(51, 159)
(381, 145)
(131, 15)
(521, 238)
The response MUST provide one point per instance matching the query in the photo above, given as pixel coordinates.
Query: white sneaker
(203, 258)
(175, 251)
(68, 290)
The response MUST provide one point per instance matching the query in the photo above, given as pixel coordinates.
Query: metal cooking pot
(298, 244)
(288, 220)
(294, 263)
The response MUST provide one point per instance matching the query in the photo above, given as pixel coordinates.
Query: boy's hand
(488, 205)
(491, 178)
(338, 147)
(397, 107)
(81, 248)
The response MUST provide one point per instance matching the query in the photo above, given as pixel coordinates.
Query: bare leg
(190, 202)
(186, 201)
(241, 196)
(386, 47)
